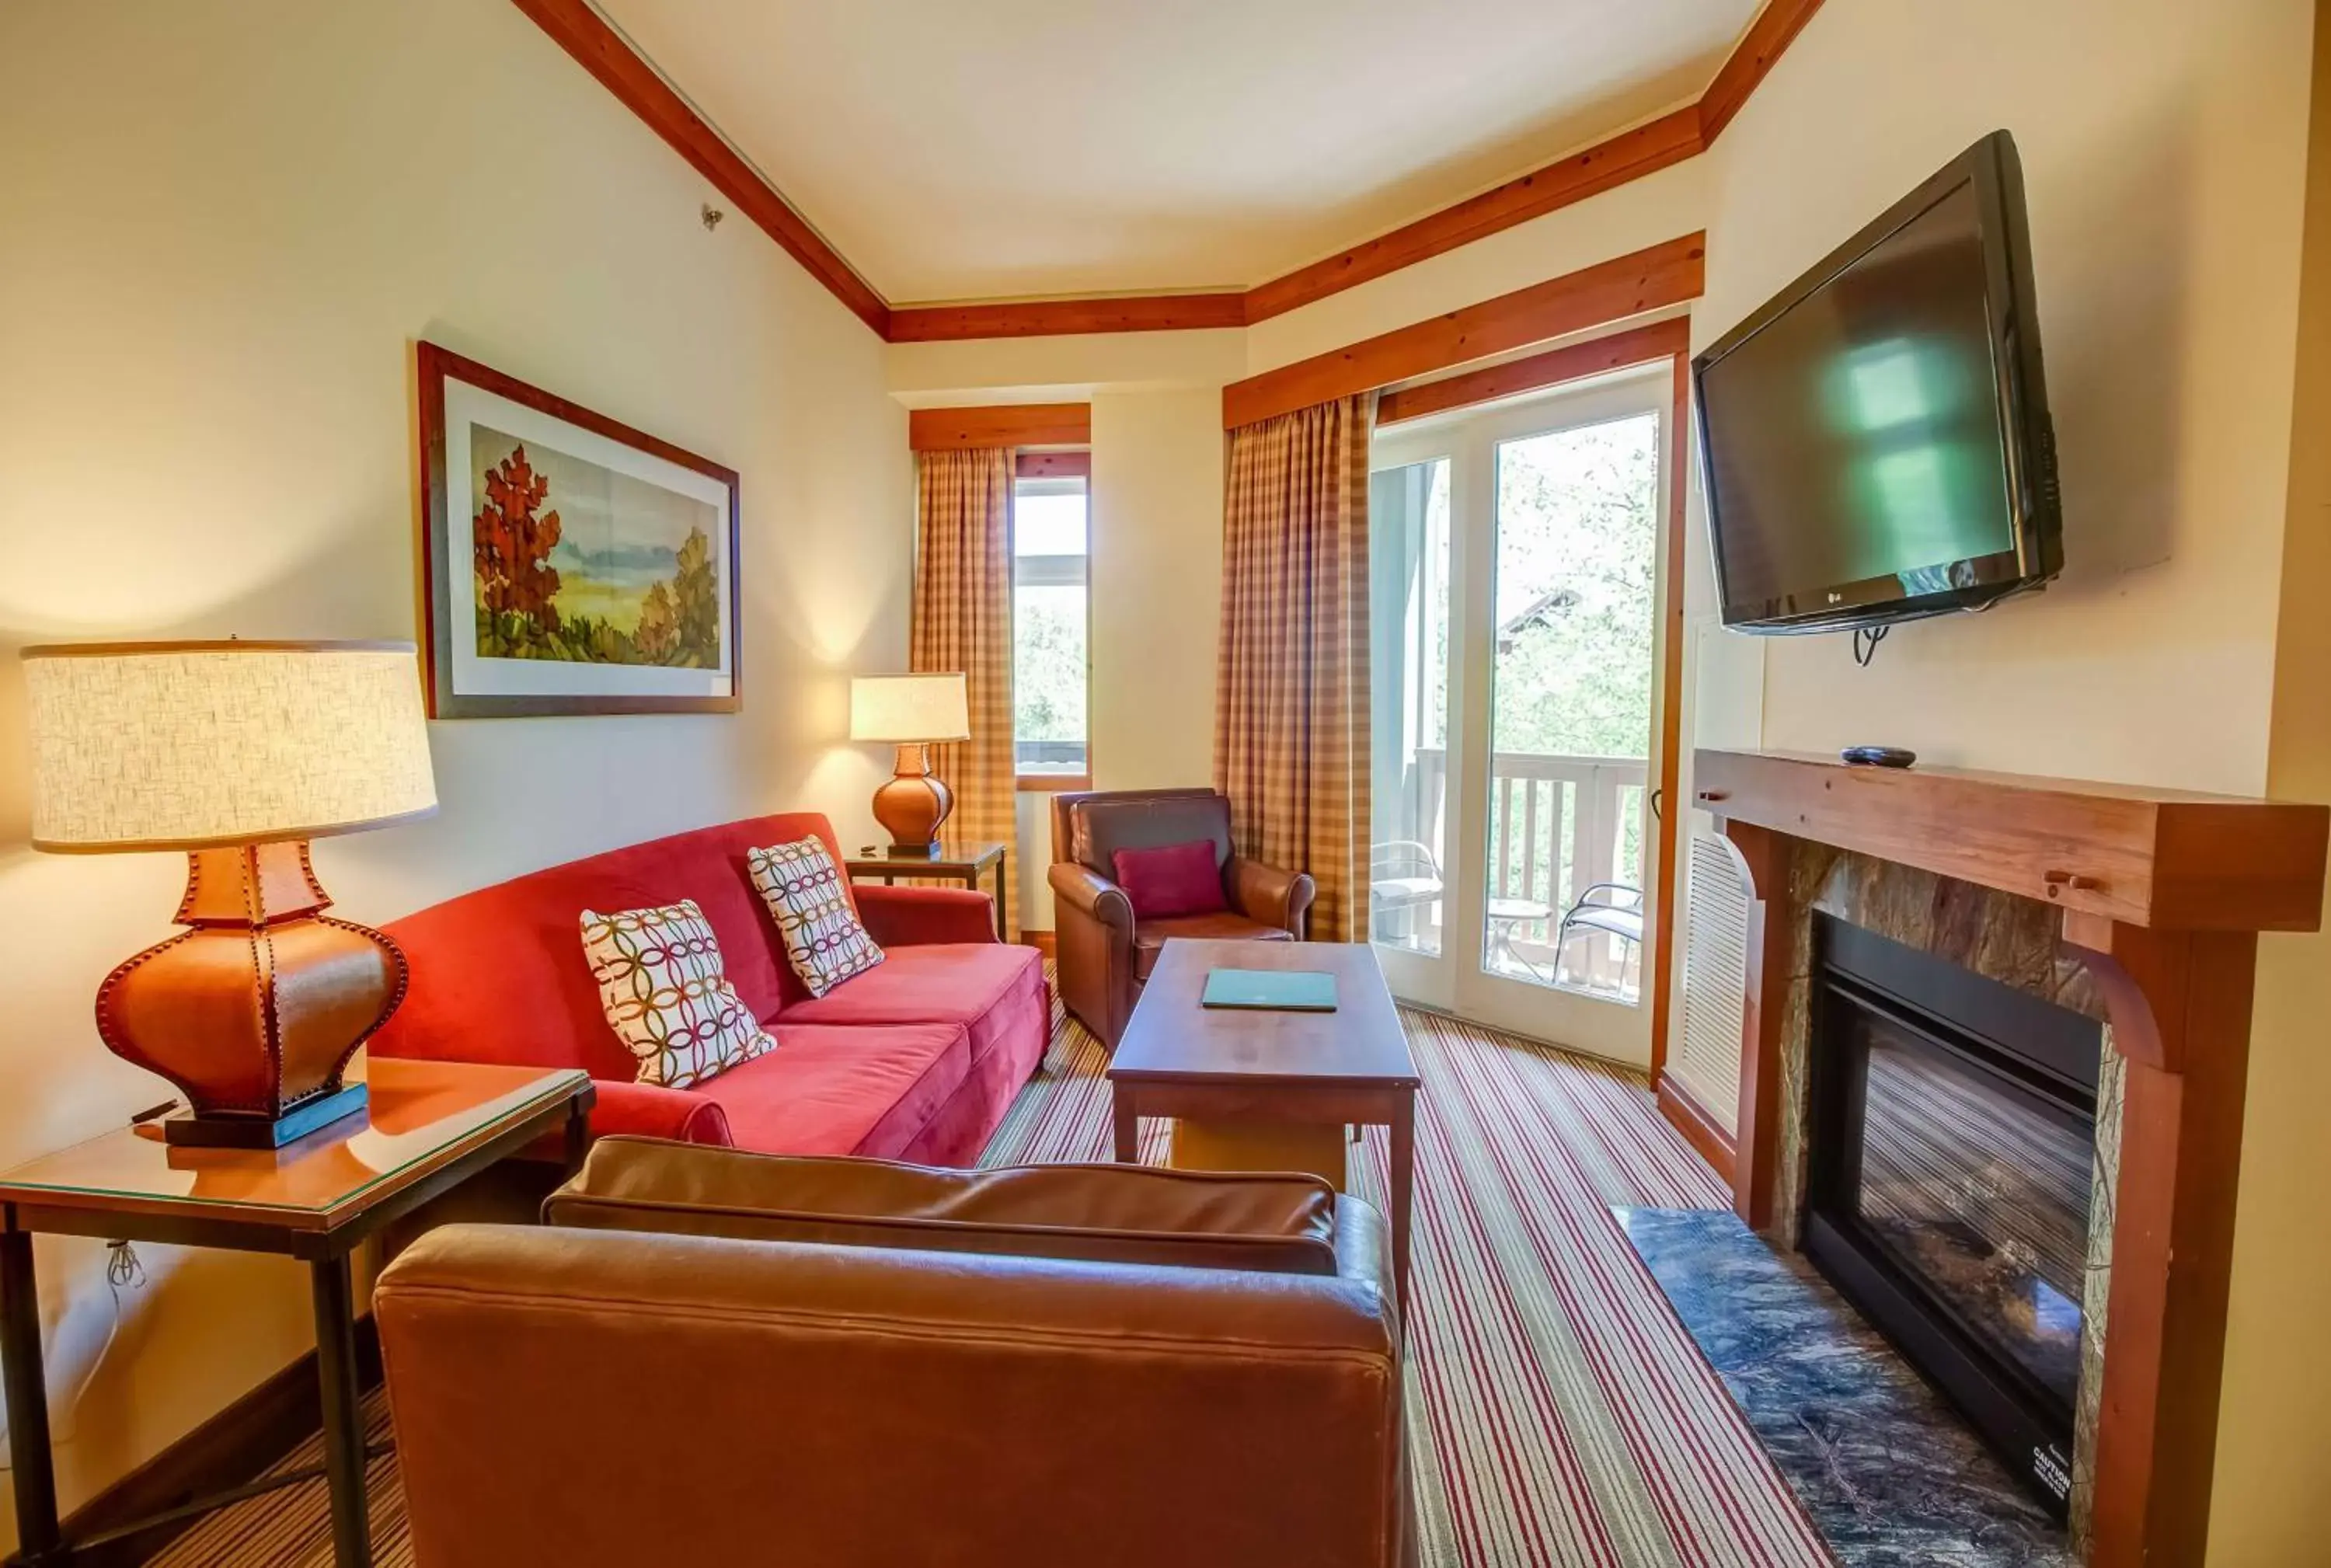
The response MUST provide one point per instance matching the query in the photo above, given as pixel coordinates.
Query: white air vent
(1717, 900)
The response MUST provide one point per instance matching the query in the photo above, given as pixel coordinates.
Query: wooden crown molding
(584, 34)
(1614, 161)
(1629, 156)
(1650, 280)
(1064, 318)
(1001, 424)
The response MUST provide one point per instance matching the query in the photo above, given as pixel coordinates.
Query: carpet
(1560, 1415)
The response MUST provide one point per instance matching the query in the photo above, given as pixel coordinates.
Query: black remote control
(1878, 756)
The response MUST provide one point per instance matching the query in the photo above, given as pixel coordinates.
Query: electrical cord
(124, 1270)
(1866, 640)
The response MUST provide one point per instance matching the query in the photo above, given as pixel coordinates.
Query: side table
(429, 1126)
(964, 863)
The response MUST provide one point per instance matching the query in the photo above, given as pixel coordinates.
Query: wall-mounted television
(1875, 439)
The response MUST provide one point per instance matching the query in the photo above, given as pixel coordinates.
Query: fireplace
(1951, 1162)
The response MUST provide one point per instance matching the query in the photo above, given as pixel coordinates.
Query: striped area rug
(1561, 1418)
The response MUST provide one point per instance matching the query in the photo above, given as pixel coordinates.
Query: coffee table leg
(1003, 869)
(1403, 1174)
(1128, 1128)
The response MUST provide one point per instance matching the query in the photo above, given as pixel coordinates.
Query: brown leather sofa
(1105, 955)
(712, 1356)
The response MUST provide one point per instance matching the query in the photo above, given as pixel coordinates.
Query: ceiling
(1045, 147)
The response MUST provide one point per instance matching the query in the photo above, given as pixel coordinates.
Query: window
(1048, 622)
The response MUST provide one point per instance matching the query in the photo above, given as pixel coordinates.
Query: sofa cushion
(1150, 937)
(666, 995)
(809, 900)
(1171, 879)
(980, 985)
(842, 1092)
(1101, 1213)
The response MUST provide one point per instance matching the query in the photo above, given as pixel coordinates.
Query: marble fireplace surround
(2138, 907)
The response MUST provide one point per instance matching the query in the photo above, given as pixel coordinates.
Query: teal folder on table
(1270, 990)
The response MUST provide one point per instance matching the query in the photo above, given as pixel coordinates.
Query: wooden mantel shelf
(2166, 859)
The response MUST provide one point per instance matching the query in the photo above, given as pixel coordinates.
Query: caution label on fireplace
(2048, 1464)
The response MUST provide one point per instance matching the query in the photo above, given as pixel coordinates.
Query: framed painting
(570, 564)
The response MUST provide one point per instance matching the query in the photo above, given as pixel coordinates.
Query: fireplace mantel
(2162, 860)
(2160, 894)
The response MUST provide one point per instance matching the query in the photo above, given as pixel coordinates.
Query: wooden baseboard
(232, 1446)
(1699, 1129)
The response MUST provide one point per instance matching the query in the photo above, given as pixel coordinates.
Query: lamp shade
(187, 746)
(907, 708)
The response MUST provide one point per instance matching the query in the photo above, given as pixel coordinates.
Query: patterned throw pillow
(802, 888)
(666, 995)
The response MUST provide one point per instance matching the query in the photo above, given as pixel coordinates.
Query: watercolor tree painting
(575, 562)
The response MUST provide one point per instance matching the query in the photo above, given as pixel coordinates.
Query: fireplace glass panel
(1980, 1190)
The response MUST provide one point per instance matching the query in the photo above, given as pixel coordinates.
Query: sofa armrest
(1109, 1214)
(1090, 893)
(916, 916)
(649, 1110)
(1266, 894)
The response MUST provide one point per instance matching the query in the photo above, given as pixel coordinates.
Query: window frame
(1070, 471)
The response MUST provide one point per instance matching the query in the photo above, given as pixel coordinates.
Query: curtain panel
(963, 622)
(1291, 686)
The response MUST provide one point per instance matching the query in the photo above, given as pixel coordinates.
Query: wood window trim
(1054, 465)
(1013, 424)
(1056, 784)
(1621, 350)
(1655, 277)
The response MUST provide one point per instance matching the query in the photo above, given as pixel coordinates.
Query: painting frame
(448, 576)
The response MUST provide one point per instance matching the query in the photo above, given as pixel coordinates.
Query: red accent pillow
(1173, 880)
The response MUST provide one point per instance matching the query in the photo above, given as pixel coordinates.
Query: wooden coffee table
(1179, 1059)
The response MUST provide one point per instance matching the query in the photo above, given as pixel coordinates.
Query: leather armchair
(1105, 955)
(717, 1357)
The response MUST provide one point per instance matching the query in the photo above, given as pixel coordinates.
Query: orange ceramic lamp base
(914, 804)
(254, 1012)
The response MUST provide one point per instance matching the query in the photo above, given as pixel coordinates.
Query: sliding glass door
(1515, 559)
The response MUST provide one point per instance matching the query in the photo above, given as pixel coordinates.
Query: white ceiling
(969, 149)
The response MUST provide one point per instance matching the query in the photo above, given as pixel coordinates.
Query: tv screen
(1875, 439)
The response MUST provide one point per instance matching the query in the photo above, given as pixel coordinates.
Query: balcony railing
(1558, 825)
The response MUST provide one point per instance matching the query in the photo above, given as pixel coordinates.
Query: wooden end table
(429, 1126)
(1180, 1059)
(964, 863)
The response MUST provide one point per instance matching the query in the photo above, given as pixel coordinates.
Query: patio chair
(1614, 908)
(1402, 874)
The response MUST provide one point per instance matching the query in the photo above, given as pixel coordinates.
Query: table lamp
(238, 753)
(911, 711)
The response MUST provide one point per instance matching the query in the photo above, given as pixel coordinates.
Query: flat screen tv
(1875, 439)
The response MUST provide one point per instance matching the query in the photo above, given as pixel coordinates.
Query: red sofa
(915, 1060)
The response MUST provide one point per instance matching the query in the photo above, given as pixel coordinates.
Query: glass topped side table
(429, 1126)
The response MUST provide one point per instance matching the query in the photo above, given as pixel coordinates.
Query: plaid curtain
(963, 622)
(1291, 689)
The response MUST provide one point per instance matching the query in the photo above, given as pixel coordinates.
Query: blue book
(1270, 990)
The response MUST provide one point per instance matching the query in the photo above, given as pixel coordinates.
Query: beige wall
(224, 225)
(2274, 1447)
(2163, 145)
